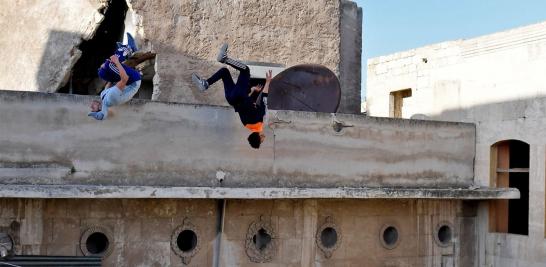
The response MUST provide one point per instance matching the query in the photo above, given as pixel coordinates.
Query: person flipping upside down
(250, 103)
(126, 81)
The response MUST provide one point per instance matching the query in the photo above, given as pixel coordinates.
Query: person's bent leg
(123, 52)
(240, 66)
(223, 58)
(229, 86)
(129, 91)
(224, 75)
(242, 87)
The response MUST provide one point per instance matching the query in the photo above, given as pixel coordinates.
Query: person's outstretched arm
(100, 115)
(265, 92)
(122, 74)
(268, 77)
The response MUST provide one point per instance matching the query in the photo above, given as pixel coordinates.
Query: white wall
(461, 74)
(497, 81)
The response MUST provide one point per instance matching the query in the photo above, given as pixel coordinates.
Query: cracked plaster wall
(37, 39)
(40, 42)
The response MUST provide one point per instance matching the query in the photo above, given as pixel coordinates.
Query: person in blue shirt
(249, 102)
(122, 84)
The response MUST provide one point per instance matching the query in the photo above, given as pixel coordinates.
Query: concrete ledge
(146, 143)
(91, 191)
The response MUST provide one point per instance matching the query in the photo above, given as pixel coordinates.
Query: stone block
(284, 207)
(62, 249)
(65, 231)
(290, 227)
(236, 227)
(156, 230)
(245, 207)
(197, 207)
(290, 251)
(147, 254)
(55, 208)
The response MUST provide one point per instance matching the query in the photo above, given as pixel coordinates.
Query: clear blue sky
(398, 25)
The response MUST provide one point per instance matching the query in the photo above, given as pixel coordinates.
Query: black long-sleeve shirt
(252, 109)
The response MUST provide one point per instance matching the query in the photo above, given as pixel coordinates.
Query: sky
(391, 26)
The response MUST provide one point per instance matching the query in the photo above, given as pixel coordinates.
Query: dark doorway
(510, 162)
(518, 209)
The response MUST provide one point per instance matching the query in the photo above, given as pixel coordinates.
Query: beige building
(496, 82)
(175, 184)
(58, 45)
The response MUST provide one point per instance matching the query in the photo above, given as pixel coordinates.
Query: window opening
(397, 102)
(510, 168)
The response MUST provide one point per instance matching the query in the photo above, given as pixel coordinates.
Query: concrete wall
(140, 230)
(461, 74)
(350, 64)
(523, 120)
(496, 81)
(153, 143)
(40, 40)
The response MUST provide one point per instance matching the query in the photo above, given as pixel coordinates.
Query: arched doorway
(510, 168)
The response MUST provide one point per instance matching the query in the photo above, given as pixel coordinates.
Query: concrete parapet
(164, 144)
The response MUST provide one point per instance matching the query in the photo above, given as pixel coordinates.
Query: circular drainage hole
(186, 240)
(261, 239)
(328, 237)
(338, 127)
(390, 236)
(444, 235)
(97, 243)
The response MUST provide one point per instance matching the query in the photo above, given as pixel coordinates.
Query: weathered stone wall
(140, 230)
(187, 35)
(523, 120)
(498, 82)
(37, 40)
(40, 39)
(351, 43)
(153, 143)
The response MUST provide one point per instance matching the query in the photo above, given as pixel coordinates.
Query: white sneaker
(203, 85)
(222, 54)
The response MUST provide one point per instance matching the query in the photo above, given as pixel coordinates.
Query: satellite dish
(307, 87)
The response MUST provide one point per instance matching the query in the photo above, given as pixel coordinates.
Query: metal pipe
(220, 211)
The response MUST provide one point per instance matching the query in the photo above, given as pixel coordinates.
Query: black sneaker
(222, 55)
(203, 85)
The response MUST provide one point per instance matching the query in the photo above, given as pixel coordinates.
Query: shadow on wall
(528, 108)
(58, 58)
(69, 64)
(83, 78)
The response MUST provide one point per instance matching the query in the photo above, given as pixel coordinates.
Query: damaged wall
(185, 35)
(37, 39)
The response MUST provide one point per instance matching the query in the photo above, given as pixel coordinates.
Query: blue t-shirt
(110, 73)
